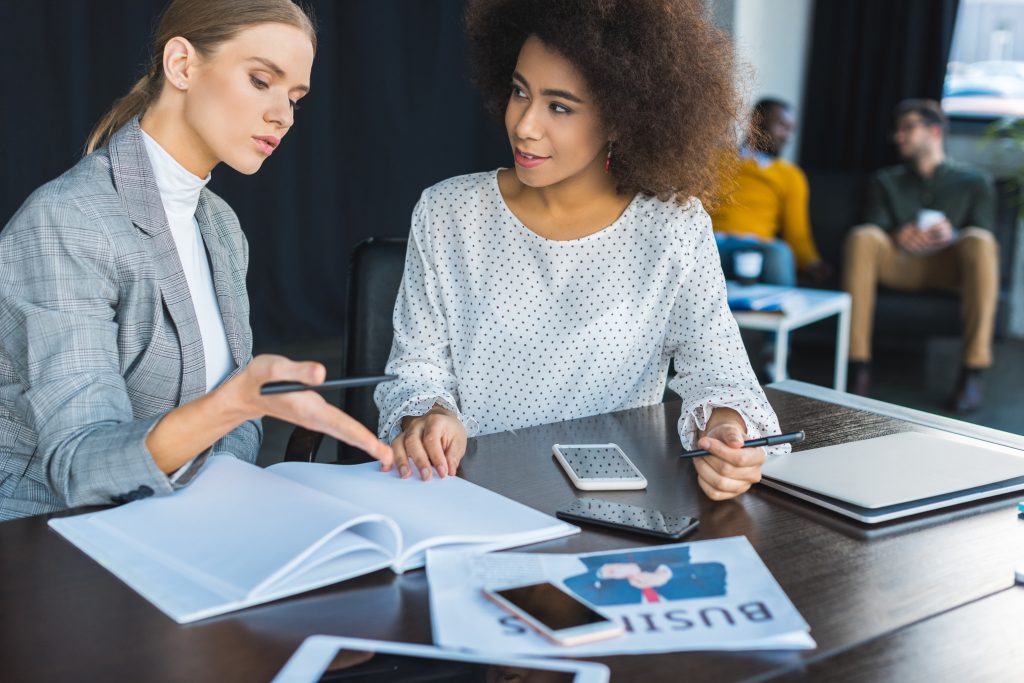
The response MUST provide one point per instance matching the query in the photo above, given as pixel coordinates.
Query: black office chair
(375, 274)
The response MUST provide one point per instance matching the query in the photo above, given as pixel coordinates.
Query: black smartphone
(628, 518)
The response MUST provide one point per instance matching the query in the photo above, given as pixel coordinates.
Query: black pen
(329, 385)
(792, 437)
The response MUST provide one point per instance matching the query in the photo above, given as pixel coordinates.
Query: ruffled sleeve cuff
(419, 405)
(694, 419)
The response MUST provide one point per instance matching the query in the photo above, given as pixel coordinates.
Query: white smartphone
(561, 618)
(598, 467)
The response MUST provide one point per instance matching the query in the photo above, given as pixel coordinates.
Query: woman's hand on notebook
(435, 440)
(730, 469)
(304, 408)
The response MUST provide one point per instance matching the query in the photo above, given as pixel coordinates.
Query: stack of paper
(708, 595)
(760, 298)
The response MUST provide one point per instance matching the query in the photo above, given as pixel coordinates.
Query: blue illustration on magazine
(652, 576)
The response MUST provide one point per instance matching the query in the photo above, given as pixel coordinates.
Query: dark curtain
(390, 112)
(866, 56)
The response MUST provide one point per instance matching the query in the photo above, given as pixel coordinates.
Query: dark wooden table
(981, 641)
(877, 598)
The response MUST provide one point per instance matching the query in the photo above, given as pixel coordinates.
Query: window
(985, 77)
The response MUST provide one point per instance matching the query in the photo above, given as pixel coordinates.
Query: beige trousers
(970, 266)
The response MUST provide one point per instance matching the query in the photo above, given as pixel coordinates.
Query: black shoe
(859, 378)
(967, 397)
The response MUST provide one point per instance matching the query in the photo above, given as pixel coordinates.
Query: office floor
(920, 380)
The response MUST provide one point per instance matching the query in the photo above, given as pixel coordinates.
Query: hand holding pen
(775, 440)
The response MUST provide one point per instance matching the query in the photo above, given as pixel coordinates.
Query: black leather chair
(901, 318)
(375, 273)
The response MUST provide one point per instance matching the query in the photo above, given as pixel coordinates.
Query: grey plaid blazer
(98, 336)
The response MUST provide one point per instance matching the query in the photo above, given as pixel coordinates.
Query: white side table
(800, 307)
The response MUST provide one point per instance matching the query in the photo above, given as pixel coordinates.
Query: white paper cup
(747, 265)
(926, 218)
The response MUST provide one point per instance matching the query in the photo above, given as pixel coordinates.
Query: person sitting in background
(767, 209)
(927, 225)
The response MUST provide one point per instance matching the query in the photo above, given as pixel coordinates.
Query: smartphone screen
(620, 515)
(551, 606)
(598, 462)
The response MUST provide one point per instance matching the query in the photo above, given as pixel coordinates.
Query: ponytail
(135, 103)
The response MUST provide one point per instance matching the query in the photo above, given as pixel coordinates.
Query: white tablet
(321, 659)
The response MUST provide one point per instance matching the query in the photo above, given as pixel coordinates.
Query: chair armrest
(302, 445)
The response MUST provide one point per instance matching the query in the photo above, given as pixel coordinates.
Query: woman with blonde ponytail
(143, 93)
(125, 346)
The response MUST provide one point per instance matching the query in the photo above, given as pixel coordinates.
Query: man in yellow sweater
(767, 210)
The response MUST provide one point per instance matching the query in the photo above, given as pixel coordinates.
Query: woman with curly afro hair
(564, 286)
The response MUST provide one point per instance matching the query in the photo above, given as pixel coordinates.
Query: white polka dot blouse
(508, 329)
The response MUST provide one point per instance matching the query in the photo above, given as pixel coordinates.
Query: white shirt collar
(179, 188)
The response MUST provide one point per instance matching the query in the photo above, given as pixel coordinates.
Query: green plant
(1012, 129)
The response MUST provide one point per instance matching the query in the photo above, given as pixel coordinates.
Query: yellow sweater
(771, 203)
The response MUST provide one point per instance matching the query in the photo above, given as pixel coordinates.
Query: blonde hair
(205, 24)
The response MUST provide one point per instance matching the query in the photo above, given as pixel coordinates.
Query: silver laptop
(894, 476)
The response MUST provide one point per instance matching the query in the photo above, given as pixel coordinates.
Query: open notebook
(240, 535)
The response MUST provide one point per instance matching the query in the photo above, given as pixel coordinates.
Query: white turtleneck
(179, 190)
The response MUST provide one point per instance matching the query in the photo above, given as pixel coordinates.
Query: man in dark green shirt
(927, 225)
(895, 195)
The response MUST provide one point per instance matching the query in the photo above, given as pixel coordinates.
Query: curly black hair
(661, 73)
